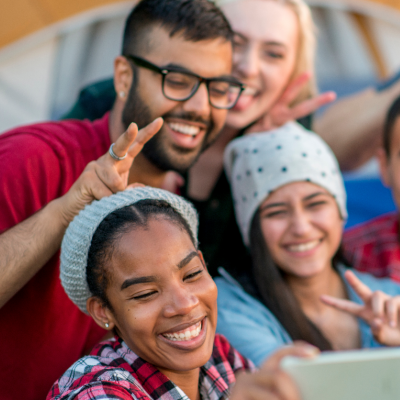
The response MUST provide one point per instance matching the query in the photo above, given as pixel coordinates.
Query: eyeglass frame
(141, 62)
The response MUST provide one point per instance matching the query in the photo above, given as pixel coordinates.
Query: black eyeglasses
(223, 93)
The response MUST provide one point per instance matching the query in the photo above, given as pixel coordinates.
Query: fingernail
(311, 350)
(393, 324)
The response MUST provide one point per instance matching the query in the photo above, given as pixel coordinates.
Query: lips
(189, 338)
(186, 135)
(185, 129)
(185, 334)
(303, 247)
(248, 96)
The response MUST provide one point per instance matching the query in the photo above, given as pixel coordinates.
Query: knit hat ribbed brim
(78, 237)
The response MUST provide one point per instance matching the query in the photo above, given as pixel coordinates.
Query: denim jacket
(255, 332)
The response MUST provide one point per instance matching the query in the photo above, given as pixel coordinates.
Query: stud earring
(107, 325)
(122, 94)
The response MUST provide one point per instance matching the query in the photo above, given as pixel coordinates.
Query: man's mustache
(188, 116)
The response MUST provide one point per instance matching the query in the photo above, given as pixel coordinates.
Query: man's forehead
(208, 58)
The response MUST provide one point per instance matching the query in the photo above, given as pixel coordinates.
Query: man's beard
(156, 150)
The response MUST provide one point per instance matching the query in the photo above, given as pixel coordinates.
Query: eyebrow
(151, 278)
(179, 68)
(311, 196)
(271, 42)
(187, 259)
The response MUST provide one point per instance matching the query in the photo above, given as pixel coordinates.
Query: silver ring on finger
(114, 156)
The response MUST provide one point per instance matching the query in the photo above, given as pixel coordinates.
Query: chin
(238, 120)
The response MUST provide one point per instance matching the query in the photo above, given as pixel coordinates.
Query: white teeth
(249, 91)
(185, 129)
(304, 246)
(187, 334)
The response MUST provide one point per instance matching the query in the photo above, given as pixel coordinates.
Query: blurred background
(50, 49)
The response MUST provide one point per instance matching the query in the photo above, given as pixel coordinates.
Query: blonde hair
(307, 44)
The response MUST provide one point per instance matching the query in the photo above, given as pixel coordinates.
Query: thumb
(298, 349)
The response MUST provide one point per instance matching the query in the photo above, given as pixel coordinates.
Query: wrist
(61, 210)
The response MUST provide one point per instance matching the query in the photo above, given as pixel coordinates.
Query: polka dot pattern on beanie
(269, 160)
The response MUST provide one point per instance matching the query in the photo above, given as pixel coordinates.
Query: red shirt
(42, 332)
(374, 246)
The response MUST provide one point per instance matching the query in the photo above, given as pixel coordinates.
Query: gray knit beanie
(78, 237)
(258, 164)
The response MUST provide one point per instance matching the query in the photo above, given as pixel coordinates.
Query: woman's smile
(304, 248)
(189, 338)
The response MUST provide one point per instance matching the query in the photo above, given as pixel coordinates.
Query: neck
(227, 134)
(143, 171)
(308, 291)
(188, 381)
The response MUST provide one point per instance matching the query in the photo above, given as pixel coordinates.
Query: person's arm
(26, 247)
(353, 126)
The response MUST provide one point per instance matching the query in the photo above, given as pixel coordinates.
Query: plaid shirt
(374, 247)
(113, 371)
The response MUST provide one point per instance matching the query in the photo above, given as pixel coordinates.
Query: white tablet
(372, 374)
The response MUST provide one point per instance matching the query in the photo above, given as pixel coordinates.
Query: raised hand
(281, 112)
(107, 175)
(270, 382)
(380, 311)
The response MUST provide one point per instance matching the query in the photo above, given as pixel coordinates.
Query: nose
(300, 223)
(181, 302)
(199, 103)
(246, 62)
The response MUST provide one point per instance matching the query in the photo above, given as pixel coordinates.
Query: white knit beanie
(258, 164)
(78, 237)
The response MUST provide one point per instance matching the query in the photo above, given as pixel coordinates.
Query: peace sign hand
(281, 112)
(107, 175)
(380, 311)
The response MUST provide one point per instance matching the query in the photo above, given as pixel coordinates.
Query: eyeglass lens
(179, 86)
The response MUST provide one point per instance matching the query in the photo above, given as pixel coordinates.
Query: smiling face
(265, 51)
(302, 228)
(163, 299)
(190, 125)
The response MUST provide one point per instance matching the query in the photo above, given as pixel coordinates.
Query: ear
(383, 160)
(123, 77)
(100, 313)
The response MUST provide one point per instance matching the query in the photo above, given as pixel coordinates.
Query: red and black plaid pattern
(113, 371)
(374, 247)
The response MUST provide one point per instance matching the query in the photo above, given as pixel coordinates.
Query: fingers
(360, 288)
(144, 135)
(294, 88)
(392, 311)
(307, 107)
(343, 305)
(299, 349)
(122, 144)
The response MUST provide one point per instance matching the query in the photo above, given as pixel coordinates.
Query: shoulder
(224, 351)
(371, 231)
(57, 136)
(105, 373)
(232, 297)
